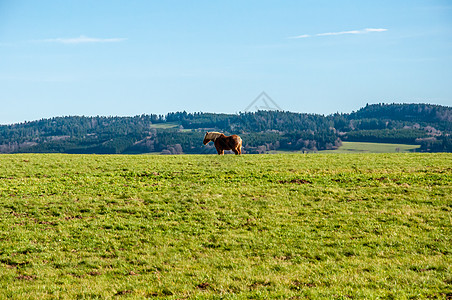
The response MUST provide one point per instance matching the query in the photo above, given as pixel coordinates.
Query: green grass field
(166, 125)
(287, 226)
(360, 147)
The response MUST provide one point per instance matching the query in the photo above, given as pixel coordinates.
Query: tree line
(424, 124)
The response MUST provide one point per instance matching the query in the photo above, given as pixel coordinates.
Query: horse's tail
(239, 146)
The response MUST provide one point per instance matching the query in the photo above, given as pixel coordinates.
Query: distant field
(358, 147)
(287, 226)
(166, 125)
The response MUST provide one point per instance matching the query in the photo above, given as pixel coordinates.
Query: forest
(180, 132)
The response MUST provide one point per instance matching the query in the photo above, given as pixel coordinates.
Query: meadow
(362, 147)
(287, 226)
(166, 125)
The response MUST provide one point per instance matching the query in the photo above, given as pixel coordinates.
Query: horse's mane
(213, 135)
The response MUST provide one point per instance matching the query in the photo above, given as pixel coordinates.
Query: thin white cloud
(375, 29)
(362, 31)
(300, 36)
(83, 40)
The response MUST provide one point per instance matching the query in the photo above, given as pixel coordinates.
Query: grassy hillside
(166, 125)
(359, 147)
(361, 226)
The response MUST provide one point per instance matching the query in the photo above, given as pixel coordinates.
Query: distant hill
(429, 126)
(425, 124)
(420, 113)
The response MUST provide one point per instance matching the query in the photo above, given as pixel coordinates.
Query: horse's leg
(220, 151)
(235, 151)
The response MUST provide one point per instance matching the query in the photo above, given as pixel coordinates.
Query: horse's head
(211, 136)
(206, 139)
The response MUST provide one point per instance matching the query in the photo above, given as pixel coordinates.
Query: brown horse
(222, 142)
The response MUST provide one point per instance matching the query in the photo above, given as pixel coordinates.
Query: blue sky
(60, 58)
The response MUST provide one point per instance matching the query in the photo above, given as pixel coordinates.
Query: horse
(222, 142)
